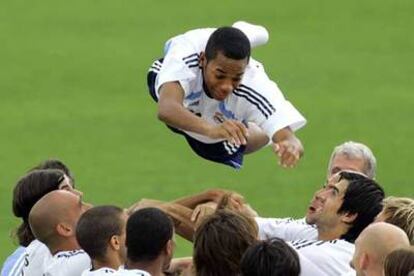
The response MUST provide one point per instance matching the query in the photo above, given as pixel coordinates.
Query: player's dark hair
(229, 41)
(399, 262)
(55, 164)
(28, 190)
(96, 227)
(272, 257)
(220, 241)
(363, 197)
(148, 231)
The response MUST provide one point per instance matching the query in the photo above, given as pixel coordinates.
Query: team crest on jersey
(219, 117)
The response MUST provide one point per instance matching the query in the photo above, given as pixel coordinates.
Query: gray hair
(355, 150)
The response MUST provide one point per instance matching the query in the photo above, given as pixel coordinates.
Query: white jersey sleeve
(181, 60)
(68, 263)
(307, 268)
(331, 257)
(288, 229)
(268, 107)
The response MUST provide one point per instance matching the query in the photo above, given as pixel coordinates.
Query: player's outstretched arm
(172, 112)
(288, 147)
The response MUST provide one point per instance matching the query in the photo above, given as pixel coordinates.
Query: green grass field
(73, 86)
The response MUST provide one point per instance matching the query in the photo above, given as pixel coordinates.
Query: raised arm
(287, 146)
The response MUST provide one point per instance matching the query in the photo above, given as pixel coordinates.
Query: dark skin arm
(172, 112)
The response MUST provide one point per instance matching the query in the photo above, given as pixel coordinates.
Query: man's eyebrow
(224, 72)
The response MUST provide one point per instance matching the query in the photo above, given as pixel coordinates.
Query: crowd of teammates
(350, 228)
(212, 92)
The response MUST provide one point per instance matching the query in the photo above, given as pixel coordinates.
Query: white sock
(257, 34)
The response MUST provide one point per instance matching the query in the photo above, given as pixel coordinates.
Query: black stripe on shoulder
(309, 243)
(191, 56)
(251, 100)
(242, 86)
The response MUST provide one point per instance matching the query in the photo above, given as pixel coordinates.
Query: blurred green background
(73, 86)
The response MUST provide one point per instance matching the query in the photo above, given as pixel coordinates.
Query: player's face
(67, 185)
(323, 209)
(222, 75)
(343, 163)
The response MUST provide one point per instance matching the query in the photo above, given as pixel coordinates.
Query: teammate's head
(400, 212)
(270, 257)
(55, 164)
(348, 203)
(28, 190)
(399, 262)
(149, 236)
(224, 61)
(352, 156)
(372, 246)
(220, 241)
(101, 233)
(57, 228)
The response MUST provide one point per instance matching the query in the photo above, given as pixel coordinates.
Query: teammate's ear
(348, 217)
(115, 242)
(203, 60)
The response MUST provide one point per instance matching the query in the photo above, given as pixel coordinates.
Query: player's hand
(203, 210)
(233, 131)
(289, 150)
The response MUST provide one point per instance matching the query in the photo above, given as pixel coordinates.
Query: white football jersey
(257, 99)
(331, 257)
(36, 255)
(131, 272)
(98, 272)
(307, 268)
(68, 263)
(288, 229)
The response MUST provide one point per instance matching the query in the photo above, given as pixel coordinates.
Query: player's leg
(257, 139)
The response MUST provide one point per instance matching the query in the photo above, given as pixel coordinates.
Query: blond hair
(400, 212)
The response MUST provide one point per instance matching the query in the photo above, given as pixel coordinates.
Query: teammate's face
(343, 163)
(67, 185)
(222, 75)
(323, 209)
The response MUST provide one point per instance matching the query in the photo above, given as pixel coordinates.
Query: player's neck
(64, 244)
(330, 233)
(155, 267)
(113, 262)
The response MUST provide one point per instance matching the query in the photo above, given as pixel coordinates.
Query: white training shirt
(68, 263)
(32, 262)
(102, 271)
(257, 99)
(288, 229)
(131, 272)
(331, 257)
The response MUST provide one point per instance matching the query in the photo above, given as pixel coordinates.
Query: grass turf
(72, 84)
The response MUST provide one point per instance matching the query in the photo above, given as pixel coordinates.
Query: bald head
(54, 217)
(375, 243)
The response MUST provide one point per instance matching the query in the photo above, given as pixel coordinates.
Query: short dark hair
(399, 262)
(221, 240)
(229, 41)
(27, 191)
(363, 197)
(270, 257)
(55, 164)
(148, 231)
(96, 227)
